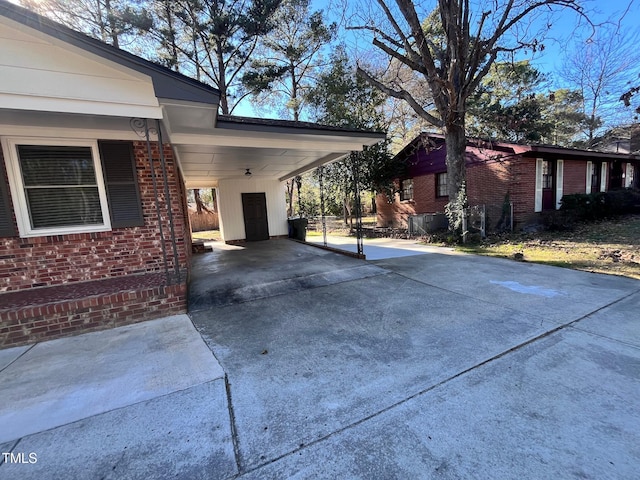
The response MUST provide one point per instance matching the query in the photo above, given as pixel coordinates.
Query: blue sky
(567, 30)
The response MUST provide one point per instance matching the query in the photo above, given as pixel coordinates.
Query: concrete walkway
(380, 248)
(427, 366)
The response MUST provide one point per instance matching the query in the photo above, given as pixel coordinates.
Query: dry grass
(611, 246)
(206, 235)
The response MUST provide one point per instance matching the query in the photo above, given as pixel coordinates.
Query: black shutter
(7, 226)
(121, 180)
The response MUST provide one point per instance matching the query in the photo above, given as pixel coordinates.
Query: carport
(247, 160)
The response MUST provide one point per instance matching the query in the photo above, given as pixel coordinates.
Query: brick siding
(48, 262)
(575, 177)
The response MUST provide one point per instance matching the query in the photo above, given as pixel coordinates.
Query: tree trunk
(298, 180)
(456, 143)
(289, 185)
(222, 80)
(200, 206)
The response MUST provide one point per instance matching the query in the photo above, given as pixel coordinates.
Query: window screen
(60, 186)
(441, 185)
(406, 189)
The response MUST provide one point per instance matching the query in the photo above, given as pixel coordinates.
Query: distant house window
(442, 189)
(547, 174)
(58, 187)
(595, 177)
(406, 189)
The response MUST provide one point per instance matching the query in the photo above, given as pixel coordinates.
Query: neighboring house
(534, 176)
(97, 149)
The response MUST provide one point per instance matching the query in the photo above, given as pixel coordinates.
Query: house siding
(487, 183)
(32, 266)
(575, 177)
(493, 170)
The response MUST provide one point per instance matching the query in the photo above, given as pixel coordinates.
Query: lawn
(206, 235)
(611, 246)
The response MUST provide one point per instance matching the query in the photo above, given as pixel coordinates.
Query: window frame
(439, 185)
(402, 190)
(18, 193)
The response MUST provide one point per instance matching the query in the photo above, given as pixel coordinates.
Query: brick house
(534, 176)
(97, 149)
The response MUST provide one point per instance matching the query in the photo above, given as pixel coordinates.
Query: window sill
(52, 232)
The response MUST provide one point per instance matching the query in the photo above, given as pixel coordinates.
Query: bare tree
(473, 36)
(600, 68)
(107, 20)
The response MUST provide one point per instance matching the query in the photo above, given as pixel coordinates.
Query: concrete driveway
(426, 366)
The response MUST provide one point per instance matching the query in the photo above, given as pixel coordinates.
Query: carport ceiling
(271, 149)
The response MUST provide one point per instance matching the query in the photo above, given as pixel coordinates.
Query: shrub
(593, 206)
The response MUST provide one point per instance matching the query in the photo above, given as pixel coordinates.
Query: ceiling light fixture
(248, 172)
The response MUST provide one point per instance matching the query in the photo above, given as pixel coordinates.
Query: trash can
(298, 228)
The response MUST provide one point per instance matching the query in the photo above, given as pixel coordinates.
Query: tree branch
(400, 94)
(402, 58)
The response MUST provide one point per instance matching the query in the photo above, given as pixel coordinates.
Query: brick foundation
(43, 314)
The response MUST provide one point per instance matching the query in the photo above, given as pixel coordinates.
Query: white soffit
(40, 73)
(271, 152)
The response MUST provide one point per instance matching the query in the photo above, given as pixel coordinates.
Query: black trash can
(298, 229)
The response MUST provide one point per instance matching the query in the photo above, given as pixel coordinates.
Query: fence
(425, 223)
(479, 220)
(203, 221)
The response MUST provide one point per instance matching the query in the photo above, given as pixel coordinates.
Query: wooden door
(254, 208)
(548, 185)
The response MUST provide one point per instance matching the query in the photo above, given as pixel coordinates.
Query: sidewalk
(141, 401)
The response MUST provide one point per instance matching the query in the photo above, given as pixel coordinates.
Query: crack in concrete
(13, 447)
(18, 357)
(234, 428)
(434, 386)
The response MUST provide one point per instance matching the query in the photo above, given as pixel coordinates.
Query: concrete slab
(10, 355)
(226, 295)
(65, 380)
(381, 248)
(620, 321)
(307, 364)
(556, 294)
(563, 407)
(183, 435)
(265, 269)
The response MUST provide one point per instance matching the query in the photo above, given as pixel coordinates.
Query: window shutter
(603, 177)
(589, 174)
(7, 226)
(538, 197)
(121, 180)
(559, 182)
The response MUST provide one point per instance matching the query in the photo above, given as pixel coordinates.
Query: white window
(442, 187)
(56, 186)
(406, 189)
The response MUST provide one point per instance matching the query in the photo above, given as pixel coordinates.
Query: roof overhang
(271, 149)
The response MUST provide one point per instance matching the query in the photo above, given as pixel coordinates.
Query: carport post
(324, 223)
(357, 203)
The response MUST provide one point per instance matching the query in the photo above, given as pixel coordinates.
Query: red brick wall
(55, 260)
(40, 264)
(575, 177)
(486, 183)
(395, 214)
(28, 324)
